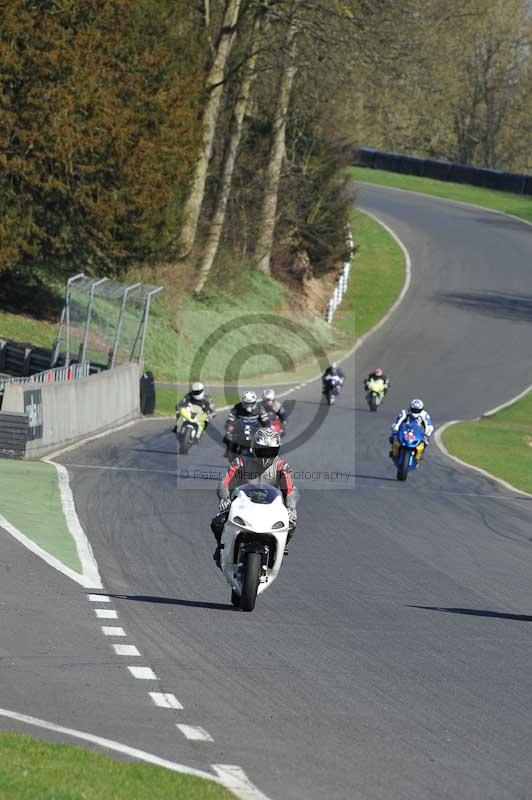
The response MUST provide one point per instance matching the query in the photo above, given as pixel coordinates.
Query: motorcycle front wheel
(251, 581)
(373, 402)
(402, 469)
(185, 441)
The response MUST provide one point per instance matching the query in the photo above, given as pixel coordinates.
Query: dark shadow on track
(475, 612)
(374, 477)
(173, 601)
(503, 305)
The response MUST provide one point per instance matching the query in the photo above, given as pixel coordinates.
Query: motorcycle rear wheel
(251, 581)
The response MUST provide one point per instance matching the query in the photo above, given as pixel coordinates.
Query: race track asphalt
(392, 657)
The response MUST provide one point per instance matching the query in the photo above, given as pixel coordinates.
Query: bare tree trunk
(235, 135)
(214, 86)
(264, 244)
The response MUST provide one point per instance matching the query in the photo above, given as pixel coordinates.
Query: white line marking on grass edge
(484, 472)
(88, 563)
(143, 673)
(112, 631)
(165, 700)
(225, 777)
(106, 613)
(54, 562)
(194, 733)
(126, 650)
(236, 780)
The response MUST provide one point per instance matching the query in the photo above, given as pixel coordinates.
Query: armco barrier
(62, 413)
(443, 170)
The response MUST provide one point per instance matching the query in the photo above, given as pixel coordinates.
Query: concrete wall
(61, 413)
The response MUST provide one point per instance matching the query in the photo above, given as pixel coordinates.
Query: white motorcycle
(253, 542)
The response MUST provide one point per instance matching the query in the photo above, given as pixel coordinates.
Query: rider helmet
(197, 390)
(248, 400)
(266, 444)
(416, 406)
(268, 396)
(378, 372)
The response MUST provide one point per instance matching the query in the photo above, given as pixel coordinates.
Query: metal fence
(103, 321)
(67, 373)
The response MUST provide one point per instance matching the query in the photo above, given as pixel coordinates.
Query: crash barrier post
(63, 412)
(500, 180)
(147, 393)
(343, 279)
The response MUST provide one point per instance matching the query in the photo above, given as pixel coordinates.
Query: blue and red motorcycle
(407, 448)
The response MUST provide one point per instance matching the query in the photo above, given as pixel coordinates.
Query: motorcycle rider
(199, 397)
(263, 465)
(333, 371)
(273, 408)
(248, 410)
(377, 375)
(417, 414)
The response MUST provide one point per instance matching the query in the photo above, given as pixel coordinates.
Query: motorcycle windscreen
(262, 493)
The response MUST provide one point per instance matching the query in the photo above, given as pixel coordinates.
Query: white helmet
(266, 444)
(248, 400)
(197, 390)
(416, 406)
(268, 396)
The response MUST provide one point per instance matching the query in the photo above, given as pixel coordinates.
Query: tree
(97, 129)
(231, 148)
(214, 85)
(273, 172)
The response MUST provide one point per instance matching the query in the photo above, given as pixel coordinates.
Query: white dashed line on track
(99, 598)
(143, 673)
(106, 613)
(195, 734)
(126, 650)
(112, 631)
(165, 700)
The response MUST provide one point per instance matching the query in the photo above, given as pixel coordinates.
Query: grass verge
(30, 500)
(377, 277)
(220, 326)
(510, 203)
(500, 444)
(31, 769)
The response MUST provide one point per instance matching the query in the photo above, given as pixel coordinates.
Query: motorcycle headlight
(239, 521)
(278, 525)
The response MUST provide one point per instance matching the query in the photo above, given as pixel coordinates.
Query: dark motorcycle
(239, 437)
(332, 385)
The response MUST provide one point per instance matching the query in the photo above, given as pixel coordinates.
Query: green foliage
(97, 129)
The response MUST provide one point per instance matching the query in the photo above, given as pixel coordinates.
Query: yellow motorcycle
(375, 393)
(191, 422)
